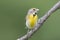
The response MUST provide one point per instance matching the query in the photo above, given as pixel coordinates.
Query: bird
(31, 18)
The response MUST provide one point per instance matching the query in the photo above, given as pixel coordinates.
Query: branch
(40, 22)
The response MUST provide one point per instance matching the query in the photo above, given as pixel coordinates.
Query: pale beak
(37, 9)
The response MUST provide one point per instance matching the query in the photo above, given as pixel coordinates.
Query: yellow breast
(32, 20)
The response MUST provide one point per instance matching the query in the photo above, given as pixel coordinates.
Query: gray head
(33, 11)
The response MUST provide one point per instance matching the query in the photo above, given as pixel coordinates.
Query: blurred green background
(12, 19)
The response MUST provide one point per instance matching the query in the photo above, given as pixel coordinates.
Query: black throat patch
(34, 15)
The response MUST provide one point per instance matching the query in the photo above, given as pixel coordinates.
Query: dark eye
(34, 9)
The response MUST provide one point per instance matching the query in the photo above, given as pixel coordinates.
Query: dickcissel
(31, 18)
